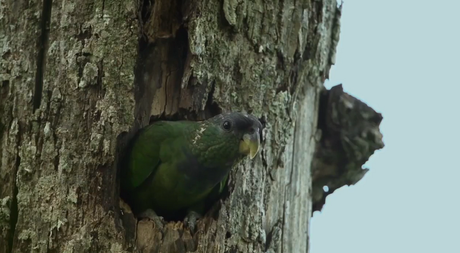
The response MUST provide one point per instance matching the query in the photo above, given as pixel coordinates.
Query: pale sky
(401, 57)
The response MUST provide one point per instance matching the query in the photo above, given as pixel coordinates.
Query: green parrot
(176, 166)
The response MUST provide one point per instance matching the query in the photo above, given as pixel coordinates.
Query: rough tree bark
(79, 78)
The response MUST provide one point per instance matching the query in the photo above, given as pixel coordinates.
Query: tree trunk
(79, 78)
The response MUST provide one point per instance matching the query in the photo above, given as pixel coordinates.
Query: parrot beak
(250, 144)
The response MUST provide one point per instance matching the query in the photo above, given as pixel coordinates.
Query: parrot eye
(227, 125)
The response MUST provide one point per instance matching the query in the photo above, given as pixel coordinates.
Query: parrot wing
(144, 158)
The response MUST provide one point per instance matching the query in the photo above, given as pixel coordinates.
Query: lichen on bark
(79, 78)
(59, 144)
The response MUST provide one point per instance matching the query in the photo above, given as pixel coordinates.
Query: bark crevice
(42, 48)
(14, 212)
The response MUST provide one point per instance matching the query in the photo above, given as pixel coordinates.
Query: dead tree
(79, 78)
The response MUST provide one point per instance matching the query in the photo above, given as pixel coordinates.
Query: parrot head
(240, 129)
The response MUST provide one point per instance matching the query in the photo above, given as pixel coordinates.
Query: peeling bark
(348, 133)
(79, 78)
